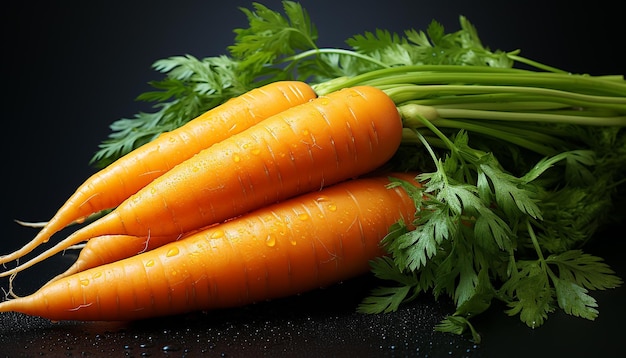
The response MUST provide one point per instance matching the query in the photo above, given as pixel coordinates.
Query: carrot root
(39, 224)
(106, 249)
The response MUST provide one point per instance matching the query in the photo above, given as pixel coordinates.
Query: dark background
(71, 68)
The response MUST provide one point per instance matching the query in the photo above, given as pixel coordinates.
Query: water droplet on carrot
(256, 151)
(172, 252)
(303, 217)
(217, 234)
(150, 263)
(305, 132)
(84, 282)
(270, 240)
(236, 158)
(97, 274)
(332, 207)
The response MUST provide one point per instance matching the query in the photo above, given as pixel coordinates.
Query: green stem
(318, 51)
(610, 91)
(497, 103)
(533, 143)
(537, 247)
(428, 124)
(401, 93)
(533, 239)
(409, 136)
(455, 74)
(343, 82)
(415, 116)
(451, 113)
(534, 64)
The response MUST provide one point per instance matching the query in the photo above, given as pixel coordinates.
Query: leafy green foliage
(519, 168)
(272, 36)
(584, 270)
(529, 293)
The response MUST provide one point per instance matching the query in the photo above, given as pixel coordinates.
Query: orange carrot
(105, 249)
(324, 141)
(115, 183)
(110, 248)
(310, 241)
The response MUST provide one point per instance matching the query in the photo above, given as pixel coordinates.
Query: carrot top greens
(521, 161)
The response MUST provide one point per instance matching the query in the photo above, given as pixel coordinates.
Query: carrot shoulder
(304, 148)
(310, 241)
(115, 183)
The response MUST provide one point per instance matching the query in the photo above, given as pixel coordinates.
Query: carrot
(324, 141)
(110, 248)
(310, 241)
(105, 249)
(115, 183)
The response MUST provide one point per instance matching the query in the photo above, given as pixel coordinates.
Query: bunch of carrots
(261, 197)
(296, 185)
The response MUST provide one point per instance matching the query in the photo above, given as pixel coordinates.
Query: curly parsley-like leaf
(271, 35)
(388, 299)
(511, 193)
(384, 299)
(477, 302)
(584, 270)
(574, 300)
(532, 296)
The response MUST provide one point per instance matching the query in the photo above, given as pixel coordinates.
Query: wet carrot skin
(150, 161)
(310, 241)
(301, 149)
(105, 249)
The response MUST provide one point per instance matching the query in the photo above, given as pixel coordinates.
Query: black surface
(71, 70)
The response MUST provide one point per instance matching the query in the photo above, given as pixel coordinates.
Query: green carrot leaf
(574, 300)
(585, 270)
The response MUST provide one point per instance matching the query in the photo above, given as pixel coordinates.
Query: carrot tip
(39, 224)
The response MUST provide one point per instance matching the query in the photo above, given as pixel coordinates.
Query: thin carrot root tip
(39, 224)
(10, 294)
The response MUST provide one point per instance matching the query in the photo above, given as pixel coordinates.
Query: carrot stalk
(115, 183)
(304, 148)
(310, 241)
